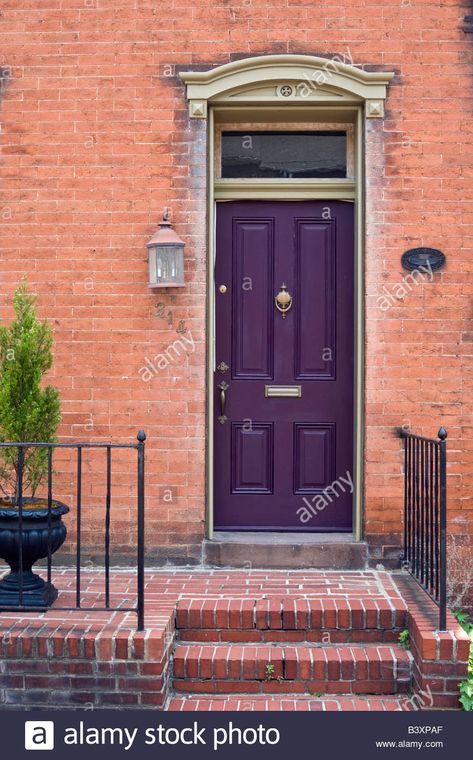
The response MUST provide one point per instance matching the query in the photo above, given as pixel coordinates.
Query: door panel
(252, 458)
(314, 456)
(315, 299)
(279, 459)
(252, 323)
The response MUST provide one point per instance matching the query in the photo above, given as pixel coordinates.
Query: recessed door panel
(314, 457)
(283, 383)
(253, 259)
(252, 457)
(315, 348)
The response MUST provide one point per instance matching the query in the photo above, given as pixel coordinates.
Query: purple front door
(283, 383)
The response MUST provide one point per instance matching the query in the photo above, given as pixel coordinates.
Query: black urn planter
(34, 542)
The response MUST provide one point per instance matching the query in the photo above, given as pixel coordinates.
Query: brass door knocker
(283, 301)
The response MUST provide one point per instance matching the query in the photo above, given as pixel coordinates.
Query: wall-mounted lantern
(166, 257)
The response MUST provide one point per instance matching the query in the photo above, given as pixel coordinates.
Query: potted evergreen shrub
(29, 412)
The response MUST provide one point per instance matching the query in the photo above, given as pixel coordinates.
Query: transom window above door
(276, 154)
(280, 155)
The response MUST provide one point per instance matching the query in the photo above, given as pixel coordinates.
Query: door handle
(223, 386)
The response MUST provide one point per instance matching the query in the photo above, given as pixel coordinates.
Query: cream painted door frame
(350, 190)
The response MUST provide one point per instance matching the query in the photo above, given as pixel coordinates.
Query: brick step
(326, 620)
(294, 702)
(298, 668)
(271, 636)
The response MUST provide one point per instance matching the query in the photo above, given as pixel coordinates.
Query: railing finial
(141, 436)
(442, 434)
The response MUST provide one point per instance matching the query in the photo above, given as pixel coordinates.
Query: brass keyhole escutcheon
(283, 301)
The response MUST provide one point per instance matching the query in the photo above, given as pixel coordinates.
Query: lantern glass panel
(169, 263)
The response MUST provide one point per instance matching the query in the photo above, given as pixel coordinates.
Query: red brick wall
(96, 141)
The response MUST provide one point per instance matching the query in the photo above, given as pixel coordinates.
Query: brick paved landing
(164, 589)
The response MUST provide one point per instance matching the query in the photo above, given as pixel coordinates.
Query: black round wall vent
(429, 258)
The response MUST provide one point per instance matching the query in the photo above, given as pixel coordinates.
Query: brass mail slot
(283, 391)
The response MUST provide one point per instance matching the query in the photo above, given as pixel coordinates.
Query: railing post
(141, 530)
(107, 527)
(403, 437)
(50, 506)
(79, 527)
(19, 497)
(442, 434)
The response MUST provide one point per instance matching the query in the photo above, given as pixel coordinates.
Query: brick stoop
(329, 639)
(299, 647)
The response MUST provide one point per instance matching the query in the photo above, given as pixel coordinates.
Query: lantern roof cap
(165, 234)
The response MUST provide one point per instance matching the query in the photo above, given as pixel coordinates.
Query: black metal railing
(425, 515)
(20, 501)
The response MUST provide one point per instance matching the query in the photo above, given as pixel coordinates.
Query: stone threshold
(331, 551)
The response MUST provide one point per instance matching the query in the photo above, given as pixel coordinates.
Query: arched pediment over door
(292, 79)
